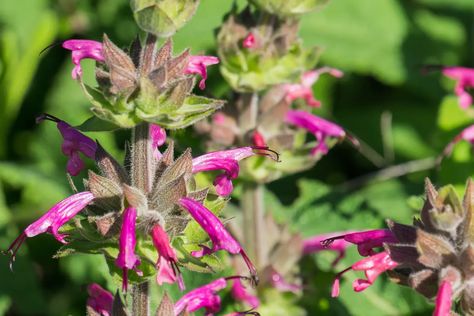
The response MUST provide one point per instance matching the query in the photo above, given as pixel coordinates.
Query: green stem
(140, 299)
(253, 208)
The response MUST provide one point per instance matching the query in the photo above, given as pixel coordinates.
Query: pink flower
(168, 271)
(158, 138)
(228, 161)
(198, 64)
(444, 299)
(240, 293)
(372, 266)
(279, 282)
(219, 236)
(53, 219)
(249, 41)
(258, 139)
(315, 244)
(203, 297)
(74, 143)
(465, 80)
(317, 126)
(100, 300)
(366, 241)
(82, 49)
(466, 134)
(127, 259)
(304, 89)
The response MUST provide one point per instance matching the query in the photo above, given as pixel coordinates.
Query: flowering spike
(303, 90)
(167, 265)
(74, 143)
(100, 300)
(317, 126)
(202, 297)
(52, 220)
(198, 64)
(219, 236)
(127, 259)
(82, 49)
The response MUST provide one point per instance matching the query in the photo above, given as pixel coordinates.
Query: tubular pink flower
(74, 142)
(158, 138)
(100, 300)
(466, 134)
(372, 266)
(317, 126)
(82, 49)
(249, 41)
(444, 299)
(315, 244)
(280, 283)
(366, 241)
(240, 293)
(304, 89)
(203, 297)
(53, 219)
(198, 64)
(127, 259)
(258, 139)
(167, 265)
(219, 236)
(465, 80)
(228, 161)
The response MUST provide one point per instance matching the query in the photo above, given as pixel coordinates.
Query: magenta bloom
(240, 293)
(198, 64)
(465, 80)
(52, 220)
(249, 41)
(220, 237)
(317, 126)
(203, 297)
(226, 160)
(372, 266)
(100, 300)
(304, 89)
(82, 49)
(168, 271)
(158, 138)
(315, 244)
(74, 143)
(127, 259)
(366, 241)
(443, 299)
(466, 134)
(279, 282)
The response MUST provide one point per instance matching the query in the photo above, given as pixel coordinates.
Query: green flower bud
(163, 17)
(256, 56)
(288, 8)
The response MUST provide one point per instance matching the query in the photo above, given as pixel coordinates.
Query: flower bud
(288, 8)
(163, 17)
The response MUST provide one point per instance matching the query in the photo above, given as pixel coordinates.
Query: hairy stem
(253, 215)
(140, 299)
(142, 160)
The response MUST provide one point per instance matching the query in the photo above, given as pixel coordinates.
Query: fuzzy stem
(253, 215)
(140, 299)
(142, 158)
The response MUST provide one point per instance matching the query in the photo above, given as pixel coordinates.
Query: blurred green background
(400, 114)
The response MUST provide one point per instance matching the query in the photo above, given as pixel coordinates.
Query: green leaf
(451, 116)
(95, 124)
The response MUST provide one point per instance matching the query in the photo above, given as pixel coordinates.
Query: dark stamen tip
(266, 151)
(50, 46)
(327, 242)
(46, 116)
